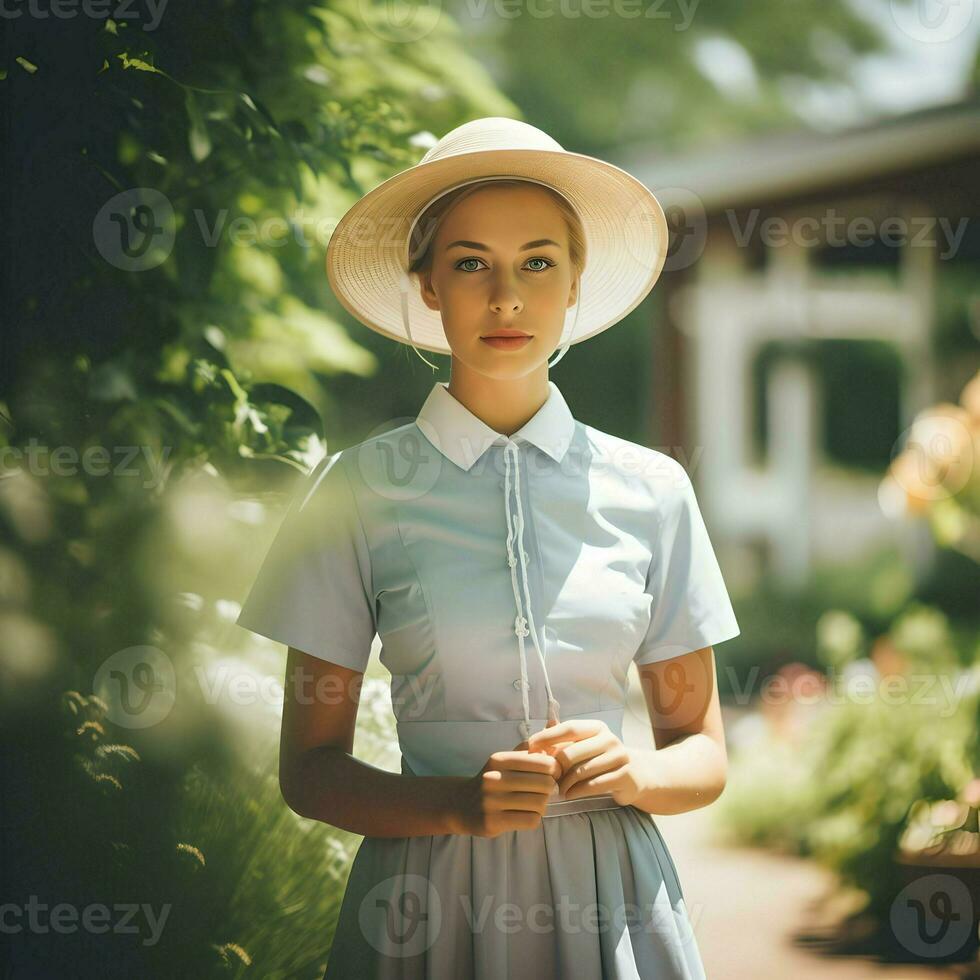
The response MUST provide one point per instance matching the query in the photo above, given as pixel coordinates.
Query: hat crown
(491, 133)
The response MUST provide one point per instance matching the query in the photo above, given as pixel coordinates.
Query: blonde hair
(431, 219)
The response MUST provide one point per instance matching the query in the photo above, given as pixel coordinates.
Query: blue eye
(547, 263)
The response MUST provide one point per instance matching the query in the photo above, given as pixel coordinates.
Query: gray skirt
(590, 894)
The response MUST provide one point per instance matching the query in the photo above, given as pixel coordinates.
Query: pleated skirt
(587, 895)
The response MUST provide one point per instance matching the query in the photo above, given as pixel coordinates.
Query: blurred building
(820, 290)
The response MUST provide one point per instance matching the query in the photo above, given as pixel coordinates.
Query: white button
(517, 684)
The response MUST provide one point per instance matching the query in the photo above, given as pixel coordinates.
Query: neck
(504, 404)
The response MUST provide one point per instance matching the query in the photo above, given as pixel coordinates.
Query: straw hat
(625, 230)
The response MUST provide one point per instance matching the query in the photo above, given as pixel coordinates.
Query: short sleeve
(313, 589)
(690, 607)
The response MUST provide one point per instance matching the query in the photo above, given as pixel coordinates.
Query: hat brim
(625, 228)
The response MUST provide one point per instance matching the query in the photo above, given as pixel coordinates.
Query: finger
(526, 761)
(603, 783)
(569, 756)
(515, 801)
(550, 747)
(567, 731)
(526, 782)
(578, 752)
(552, 733)
(539, 763)
(524, 747)
(587, 769)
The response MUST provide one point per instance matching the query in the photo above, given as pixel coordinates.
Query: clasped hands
(582, 757)
(592, 759)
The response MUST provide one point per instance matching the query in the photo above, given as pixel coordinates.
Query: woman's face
(500, 263)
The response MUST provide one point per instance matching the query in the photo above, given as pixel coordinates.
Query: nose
(504, 297)
(511, 304)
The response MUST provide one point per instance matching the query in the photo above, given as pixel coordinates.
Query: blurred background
(173, 362)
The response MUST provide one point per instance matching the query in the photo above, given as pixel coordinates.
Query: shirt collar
(463, 437)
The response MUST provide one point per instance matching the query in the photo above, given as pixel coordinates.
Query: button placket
(523, 625)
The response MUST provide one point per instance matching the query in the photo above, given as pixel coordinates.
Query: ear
(573, 293)
(426, 291)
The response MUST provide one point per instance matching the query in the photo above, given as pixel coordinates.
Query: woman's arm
(332, 785)
(320, 778)
(689, 767)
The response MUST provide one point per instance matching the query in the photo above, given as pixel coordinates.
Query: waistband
(559, 808)
(556, 808)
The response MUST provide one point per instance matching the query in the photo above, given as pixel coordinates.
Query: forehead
(507, 215)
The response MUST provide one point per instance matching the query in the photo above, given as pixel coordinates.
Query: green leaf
(197, 136)
(137, 63)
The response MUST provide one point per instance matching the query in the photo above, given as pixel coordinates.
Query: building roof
(783, 165)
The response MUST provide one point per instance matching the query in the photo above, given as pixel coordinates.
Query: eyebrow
(480, 247)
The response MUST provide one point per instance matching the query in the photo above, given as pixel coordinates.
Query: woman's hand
(509, 793)
(593, 760)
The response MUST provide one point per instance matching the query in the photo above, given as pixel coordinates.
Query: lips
(506, 333)
(513, 341)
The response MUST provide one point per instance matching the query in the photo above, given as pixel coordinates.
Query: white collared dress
(511, 580)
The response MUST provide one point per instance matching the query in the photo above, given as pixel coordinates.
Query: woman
(518, 840)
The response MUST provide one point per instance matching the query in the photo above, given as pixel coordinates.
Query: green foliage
(202, 380)
(842, 792)
(653, 89)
